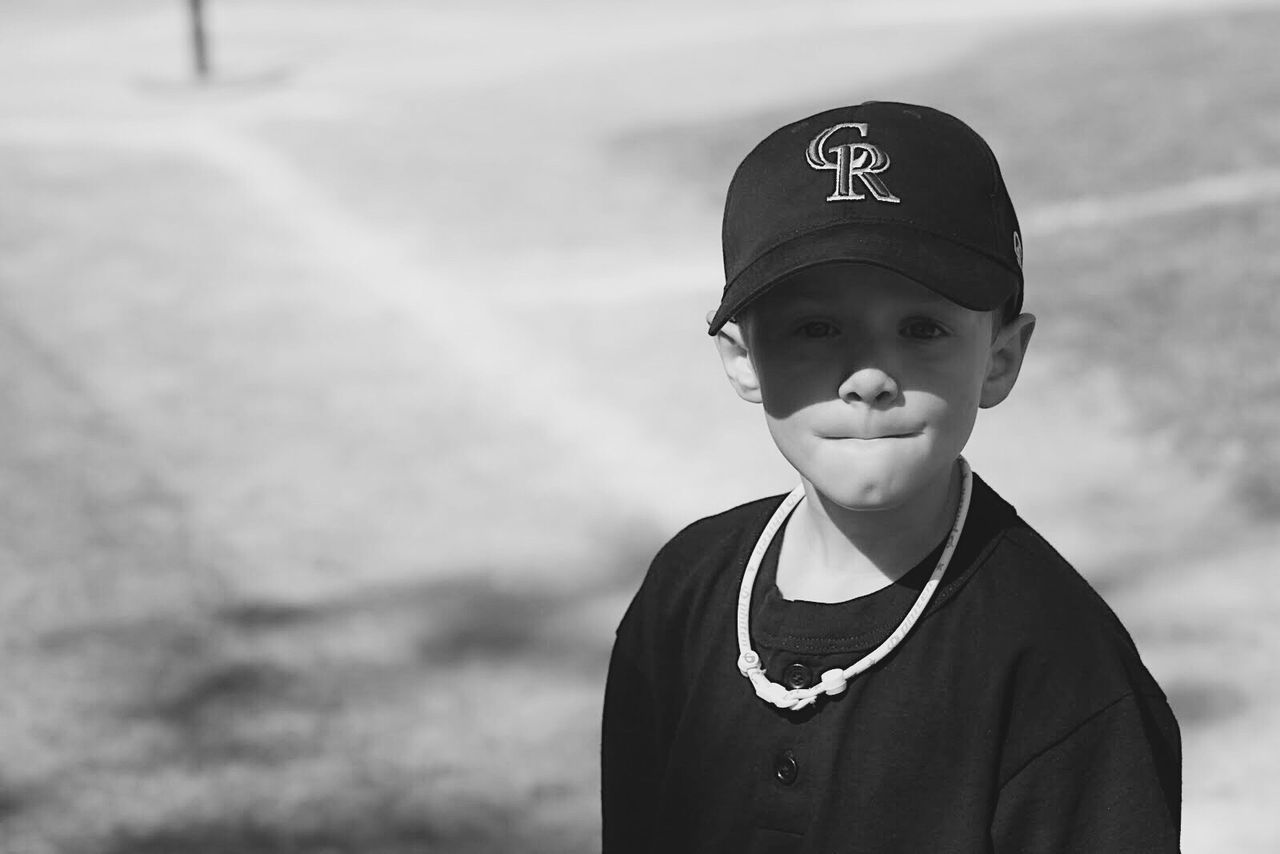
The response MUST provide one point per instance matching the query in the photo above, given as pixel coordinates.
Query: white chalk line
(1231, 189)
(528, 381)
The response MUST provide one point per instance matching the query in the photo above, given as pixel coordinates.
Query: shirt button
(797, 675)
(785, 768)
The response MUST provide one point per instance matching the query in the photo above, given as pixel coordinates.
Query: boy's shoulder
(705, 554)
(1041, 585)
(693, 578)
(1060, 653)
(1048, 615)
(711, 545)
(720, 534)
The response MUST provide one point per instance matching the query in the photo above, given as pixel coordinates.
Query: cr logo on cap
(860, 160)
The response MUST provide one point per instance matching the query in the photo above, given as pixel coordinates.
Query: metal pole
(199, 43)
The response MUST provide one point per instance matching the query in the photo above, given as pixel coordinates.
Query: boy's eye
(816, 329)
(923, 329)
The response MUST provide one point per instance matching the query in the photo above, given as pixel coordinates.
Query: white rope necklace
(833, 681)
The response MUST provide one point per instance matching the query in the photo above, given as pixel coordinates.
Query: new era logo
(853, 160)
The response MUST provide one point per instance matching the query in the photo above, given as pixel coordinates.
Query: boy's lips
(871, 436)
(849, 426)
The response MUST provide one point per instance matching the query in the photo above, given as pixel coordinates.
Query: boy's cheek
(794, 443)
(784, 404)
(790, 389)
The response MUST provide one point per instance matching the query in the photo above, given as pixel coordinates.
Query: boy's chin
(869, 492)
(862, 498)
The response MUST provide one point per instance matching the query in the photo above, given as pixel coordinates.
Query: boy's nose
(868, 385)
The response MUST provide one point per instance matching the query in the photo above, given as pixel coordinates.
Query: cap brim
(965, 276)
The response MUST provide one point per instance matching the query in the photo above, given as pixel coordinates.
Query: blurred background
(347, 390)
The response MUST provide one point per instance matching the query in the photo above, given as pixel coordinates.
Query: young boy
(888, 659)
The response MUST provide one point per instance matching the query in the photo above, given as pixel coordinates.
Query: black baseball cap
(901, 186)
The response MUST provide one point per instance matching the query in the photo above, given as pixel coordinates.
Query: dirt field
(344, 398)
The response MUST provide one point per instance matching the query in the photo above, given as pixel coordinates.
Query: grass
(169, 702)
(1185, 307)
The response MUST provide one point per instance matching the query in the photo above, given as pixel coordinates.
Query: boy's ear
(1007, 351)
(736, 356)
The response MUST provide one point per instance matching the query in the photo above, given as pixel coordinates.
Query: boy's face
(870, 382)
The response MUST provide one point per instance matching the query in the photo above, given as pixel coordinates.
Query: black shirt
(1016, 716)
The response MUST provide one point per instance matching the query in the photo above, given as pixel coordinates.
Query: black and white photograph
(602, 427)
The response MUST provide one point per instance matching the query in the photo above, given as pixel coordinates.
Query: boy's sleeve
(631, 757)
(1112, 784)
(641, 697)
